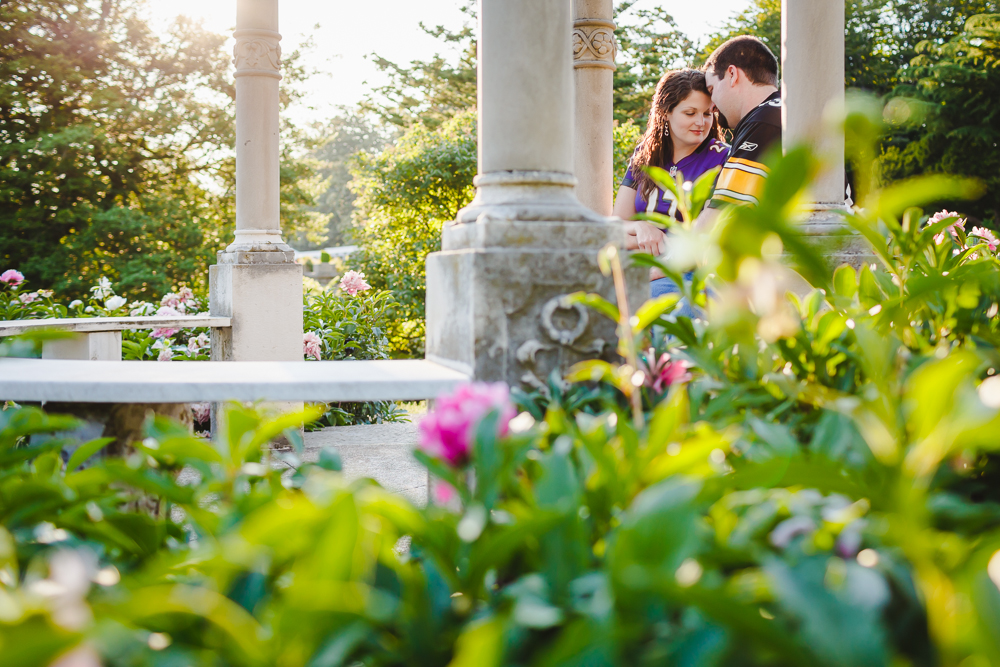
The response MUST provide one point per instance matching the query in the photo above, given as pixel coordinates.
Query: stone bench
(78, 381)
(100, 338)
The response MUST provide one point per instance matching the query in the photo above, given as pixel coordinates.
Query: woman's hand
(645, 236)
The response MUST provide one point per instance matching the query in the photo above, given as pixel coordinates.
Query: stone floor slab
(383, 452)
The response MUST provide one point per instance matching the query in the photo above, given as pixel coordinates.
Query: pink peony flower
(28, 298)
(354, 282)
(941, 215)
(198, 343)
(170, 300)
(201, 412)
(166, 332)
(661, 373)
(987, 236)
(448, 431)
(166, 354)
(312, 345)
(443, 492)
(12, 277)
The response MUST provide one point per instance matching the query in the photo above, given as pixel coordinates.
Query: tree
(881, 36)
(343, 137)
(405, 194)
(429, 92)
(946, 114)
(651, 44)
(116, 147)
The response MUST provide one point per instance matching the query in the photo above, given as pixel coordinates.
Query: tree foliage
(429, 92)
(882, 36)
(404, 196)
(946, 115)
(116, 146)
(344, 136)
(651, 44)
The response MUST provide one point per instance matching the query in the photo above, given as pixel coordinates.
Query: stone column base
(262, 293)
(839, 244)
(500, 314)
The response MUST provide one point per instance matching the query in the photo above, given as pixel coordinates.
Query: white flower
(75, 303)
(166, 354)
(141, 308)
(115, 302)
(102, 290)
(88, 309)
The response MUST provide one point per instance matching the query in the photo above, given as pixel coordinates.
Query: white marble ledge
(95, 324)
(82, 381)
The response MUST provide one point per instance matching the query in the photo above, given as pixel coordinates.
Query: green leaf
(595, 301)
(845, 281)
(480, 645)
(652, 310)
(85, 451)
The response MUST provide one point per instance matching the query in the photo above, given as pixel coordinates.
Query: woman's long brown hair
(657, 147)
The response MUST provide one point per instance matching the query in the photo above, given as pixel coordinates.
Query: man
(742, 77)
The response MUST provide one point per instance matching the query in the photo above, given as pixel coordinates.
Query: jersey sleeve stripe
(737, 180)
(748, 163)
(742, 167)
(733, 197)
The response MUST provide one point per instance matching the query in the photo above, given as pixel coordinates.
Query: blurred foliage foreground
(792, 481)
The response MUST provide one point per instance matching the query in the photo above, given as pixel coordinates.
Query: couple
(736, 89)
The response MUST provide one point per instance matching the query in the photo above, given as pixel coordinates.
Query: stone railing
(100, 338)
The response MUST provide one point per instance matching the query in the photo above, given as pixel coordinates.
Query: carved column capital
(594, 44)
(257, 53)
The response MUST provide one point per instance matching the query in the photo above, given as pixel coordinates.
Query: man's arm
(706, 219)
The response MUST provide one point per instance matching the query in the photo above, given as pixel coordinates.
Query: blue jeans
(662, 286)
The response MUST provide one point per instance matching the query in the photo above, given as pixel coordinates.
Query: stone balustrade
(100, 338)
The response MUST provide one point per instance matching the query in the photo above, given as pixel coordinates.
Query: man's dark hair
(749, 54)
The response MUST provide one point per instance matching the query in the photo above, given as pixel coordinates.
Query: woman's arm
(639, 234)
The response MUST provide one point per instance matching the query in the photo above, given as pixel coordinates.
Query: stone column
(496, 304)
(812, 67)
(256, 281)
(594, 50)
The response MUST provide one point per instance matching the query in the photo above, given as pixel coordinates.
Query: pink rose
(661, 373)
(166, 354)
(12, 277)
(28, 298)
(354, 282)
(448, 431)
(312, 345)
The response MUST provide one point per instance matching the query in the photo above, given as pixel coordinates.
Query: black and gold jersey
(742, 177)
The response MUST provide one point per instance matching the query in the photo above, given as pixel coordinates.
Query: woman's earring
(666, 131)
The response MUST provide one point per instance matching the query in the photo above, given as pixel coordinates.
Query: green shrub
(805, 481)
(340, 327)
(404, 196)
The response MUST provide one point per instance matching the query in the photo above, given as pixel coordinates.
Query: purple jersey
(709, 155)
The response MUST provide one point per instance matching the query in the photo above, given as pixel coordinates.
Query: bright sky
(345, 32)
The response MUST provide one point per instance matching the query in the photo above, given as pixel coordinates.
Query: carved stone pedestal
(502, 313)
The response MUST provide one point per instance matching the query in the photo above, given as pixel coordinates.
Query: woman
(682, 135)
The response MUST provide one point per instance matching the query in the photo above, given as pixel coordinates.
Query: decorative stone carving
(594, 44)
(564, 336)
(257, 53)
(564, 339)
